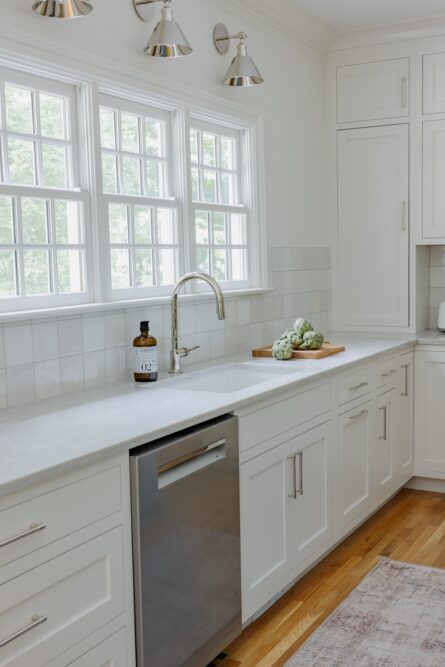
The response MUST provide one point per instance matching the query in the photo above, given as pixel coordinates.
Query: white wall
(292, 99)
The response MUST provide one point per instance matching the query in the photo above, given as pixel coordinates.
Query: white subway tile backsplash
(115, 329)
(94, 368)
(45, 338)
(3, 392)
(18, 344)
(93, 332)
(71, 373)
(20, 385)
(116, 364)
(66, 354)
(2, 349)
(47, 377)
(70, 336)
(437, 255)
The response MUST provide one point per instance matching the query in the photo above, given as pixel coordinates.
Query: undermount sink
(232, 378)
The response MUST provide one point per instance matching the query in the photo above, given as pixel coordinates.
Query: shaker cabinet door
(373, 91)
(373, 222)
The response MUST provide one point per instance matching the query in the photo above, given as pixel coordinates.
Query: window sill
(86, 308)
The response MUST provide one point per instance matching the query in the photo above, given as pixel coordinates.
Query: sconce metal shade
(62, 9)
(168, 40)
(243, 71)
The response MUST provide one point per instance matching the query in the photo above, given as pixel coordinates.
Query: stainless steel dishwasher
(186, 545)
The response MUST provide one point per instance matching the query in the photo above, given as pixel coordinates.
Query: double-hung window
(107, 196)
(220, 212)
(43, 211)
(137, 195)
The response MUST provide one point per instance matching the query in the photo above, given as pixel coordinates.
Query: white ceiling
(350, 14)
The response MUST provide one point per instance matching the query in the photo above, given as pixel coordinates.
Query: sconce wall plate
(144, 9)
(221, 39)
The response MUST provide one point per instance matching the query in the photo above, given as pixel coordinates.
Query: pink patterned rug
(394, 618)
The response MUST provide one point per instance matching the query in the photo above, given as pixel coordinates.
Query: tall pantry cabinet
(372, 231)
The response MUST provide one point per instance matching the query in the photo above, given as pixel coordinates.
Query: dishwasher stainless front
(186, 545)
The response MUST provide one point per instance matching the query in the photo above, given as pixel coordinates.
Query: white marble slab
(54, 436)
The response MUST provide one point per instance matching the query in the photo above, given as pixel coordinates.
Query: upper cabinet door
(433, 223)
(373, 221)
(373, 91)
(434, 83)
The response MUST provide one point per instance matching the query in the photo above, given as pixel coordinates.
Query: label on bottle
(145, 359)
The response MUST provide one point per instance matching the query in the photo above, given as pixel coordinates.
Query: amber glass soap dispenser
(145, 355)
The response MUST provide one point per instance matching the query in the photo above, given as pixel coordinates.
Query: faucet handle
(185, 351)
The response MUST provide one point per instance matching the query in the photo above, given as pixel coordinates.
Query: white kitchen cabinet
(429, 422)
(286, 512)
(433, 222)
(373, 91)
(386, 444)
(434, 83)
(355, 464)
(265, 526)
(312, 510)
(405, 418)
(373, 221)
(110, 653)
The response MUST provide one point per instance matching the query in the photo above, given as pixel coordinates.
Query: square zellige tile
(20, 385)
(93, 332)
(45, 339)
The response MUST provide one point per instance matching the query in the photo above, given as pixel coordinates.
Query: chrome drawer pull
(359, 415)
(405, 393)
(403, 87)
(35, 621)
(385, 423)
(391, 372)
(34, 528)
(359, 386)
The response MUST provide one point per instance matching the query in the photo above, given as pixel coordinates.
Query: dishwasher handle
(191, 463)
(190, 456)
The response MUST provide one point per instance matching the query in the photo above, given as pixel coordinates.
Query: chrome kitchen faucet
(177, 352)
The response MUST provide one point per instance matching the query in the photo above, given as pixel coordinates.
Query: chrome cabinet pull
(403, 216)
(358, 386)
(405, 393)
(34, 528)
(391, 372)
(35, 621)
(297, 491)
(293, 494)
(385, 424)
(404, 97)
(359, 415)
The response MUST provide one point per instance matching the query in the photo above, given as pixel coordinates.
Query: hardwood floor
(410, 528)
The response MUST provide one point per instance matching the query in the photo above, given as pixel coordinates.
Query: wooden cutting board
(325, 351)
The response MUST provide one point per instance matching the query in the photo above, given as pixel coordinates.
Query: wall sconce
(62, 9)
(167, 40)
(242, 71)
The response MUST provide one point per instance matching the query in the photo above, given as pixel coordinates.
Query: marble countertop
(55, 436)
(431, 337)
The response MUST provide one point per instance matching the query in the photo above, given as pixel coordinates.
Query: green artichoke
(282, 350)
(312, 340)
(302, 326)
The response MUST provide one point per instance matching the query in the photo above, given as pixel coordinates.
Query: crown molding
(285, 20)
(395, 32)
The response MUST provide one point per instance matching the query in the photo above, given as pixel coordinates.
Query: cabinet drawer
(355, 385)
(66, 599)
(272, 420)
(387, 372)
(37, 522)
(110, 653)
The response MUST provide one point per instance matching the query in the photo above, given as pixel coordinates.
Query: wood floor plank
(411, 528)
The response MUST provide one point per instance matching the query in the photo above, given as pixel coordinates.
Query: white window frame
(168, 99)
(228, 128)
(74, 192)
(172, 201)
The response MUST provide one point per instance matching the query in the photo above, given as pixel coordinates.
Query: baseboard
(426, 484)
